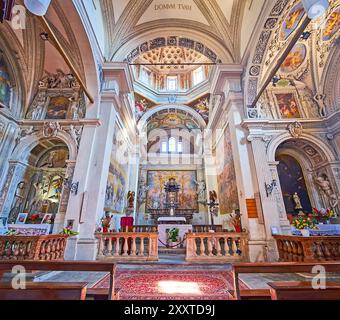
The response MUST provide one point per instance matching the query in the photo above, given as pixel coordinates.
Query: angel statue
(131, 199)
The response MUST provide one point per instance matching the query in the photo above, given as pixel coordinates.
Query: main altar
(173, 223)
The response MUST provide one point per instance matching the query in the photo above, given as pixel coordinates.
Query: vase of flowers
(323, 215)
(173, 237)
(304, 225)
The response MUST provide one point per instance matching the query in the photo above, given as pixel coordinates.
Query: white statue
(297, 201)
(143, 189)
(38, 108)
(74, 106)
(326, 187)
(201, 188)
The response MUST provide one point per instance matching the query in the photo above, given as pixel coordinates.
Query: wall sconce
(270, 187)
(72, 186)
(38, 7)
(315, 8)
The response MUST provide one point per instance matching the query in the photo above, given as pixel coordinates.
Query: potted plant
(173, 237)
(304, 225)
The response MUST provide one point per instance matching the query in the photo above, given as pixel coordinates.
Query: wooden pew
(294, 290)
(44, 291)
(275, 267)
(85, 266)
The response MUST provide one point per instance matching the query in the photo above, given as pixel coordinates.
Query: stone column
(272, 204)
(91, 172)
(59, 221)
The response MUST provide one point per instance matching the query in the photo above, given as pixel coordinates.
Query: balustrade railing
(207, 228)
(308, 249)
(131, 246)
(45, 248)
(217, 246)
(145, 228)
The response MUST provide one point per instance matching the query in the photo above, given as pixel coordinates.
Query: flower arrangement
(323, 214)
(173, 235)
(69, 232)
(302, 223)
(34, 219)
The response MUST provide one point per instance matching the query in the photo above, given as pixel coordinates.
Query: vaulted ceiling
(225, 24)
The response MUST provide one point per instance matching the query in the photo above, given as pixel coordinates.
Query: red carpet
(171, 285)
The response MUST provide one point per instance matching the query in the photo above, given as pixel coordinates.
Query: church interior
(183, 149)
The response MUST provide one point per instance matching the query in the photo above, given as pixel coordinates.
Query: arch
(223, 54)
(318, 144)
(28, 143)
(147, 115)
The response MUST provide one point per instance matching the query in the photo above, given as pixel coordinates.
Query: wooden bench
(294, 290)
(44, 291)
(85, 266)
(276, 267)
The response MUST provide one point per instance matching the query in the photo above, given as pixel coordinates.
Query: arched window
(172, 145)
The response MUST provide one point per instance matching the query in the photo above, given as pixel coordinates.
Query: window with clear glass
(172, 83)
(180, 147)
(198, 76)
(164, 147)
(172, 145)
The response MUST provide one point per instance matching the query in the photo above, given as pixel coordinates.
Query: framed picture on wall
(48, 217)
(288, 105)
(21, 219)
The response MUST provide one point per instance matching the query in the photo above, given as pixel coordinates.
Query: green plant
(173, 234)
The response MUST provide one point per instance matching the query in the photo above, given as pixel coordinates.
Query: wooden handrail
(86, 266)
(277, 267)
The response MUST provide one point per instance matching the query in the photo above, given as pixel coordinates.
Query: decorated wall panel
(5, 86)
(117, 182)
(226, 175)
(156, 196)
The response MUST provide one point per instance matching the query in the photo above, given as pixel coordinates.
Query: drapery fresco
(116, 189)
(5, 88)
(226, 175)
(156, 196)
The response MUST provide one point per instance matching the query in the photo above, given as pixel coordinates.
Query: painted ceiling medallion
(292, 21)
(294, 59)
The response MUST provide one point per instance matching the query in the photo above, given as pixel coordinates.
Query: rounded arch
(147, 115)
(223, 54)
(12, 54)
(316, 143)
(28, 143)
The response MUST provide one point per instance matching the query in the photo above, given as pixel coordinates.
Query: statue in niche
(109, 193)
(38, 107)
(74, 106)
(326, 187)
(131, 199)
(297, 201)
(201, 188)
(320, 100)
(143, 189)
(19, 196)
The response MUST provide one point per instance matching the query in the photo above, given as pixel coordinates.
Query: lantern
(37, 7)
(315, 8)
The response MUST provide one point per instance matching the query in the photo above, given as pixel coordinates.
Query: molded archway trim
(317, 143)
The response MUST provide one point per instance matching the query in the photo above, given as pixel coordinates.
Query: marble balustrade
(128, 246)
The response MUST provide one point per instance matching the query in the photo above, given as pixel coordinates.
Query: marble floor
(177, 262)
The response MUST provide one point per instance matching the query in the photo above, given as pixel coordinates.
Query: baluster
(226, 247)
(326, 251)
(133, 247)
(42, 251)
(101, 247)
(210, 246)
(202, 247)
(234, 246)
(109, 247)
(218, 247)
(194, 247)
(126, 246)
(141, 247)
(117, 246)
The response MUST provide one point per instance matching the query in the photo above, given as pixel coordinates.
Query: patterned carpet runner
(171, 285)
